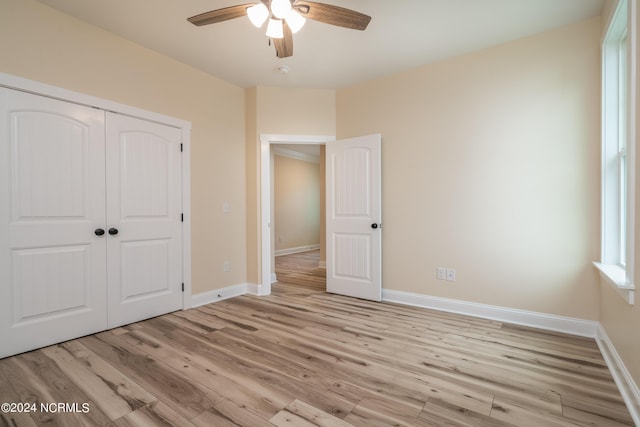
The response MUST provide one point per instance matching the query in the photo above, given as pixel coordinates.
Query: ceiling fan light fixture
(285, 18)
(258, 14)
(295, 21)
(275, 29)
(280, 8)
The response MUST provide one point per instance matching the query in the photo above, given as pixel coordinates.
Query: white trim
(620, 277)
(285, 152)
(259, 290)
(38, 88)
(274, 278)
(186, 221)
(265, 197)
(616, 276)
(299, 249)
(632, 31)
(218, 295)
(568, 325)
(627, 386)
(43, 89)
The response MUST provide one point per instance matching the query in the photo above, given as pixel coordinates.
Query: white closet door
(52, 198)
(144, 258)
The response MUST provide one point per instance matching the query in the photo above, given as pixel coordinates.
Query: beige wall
(490, 166)
(619, 319)
(288, 111)
(39, 43)
(296, 203)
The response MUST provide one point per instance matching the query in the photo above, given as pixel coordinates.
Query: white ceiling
(402, 34)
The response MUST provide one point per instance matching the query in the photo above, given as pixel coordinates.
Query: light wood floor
(301, 357)
(302, 269)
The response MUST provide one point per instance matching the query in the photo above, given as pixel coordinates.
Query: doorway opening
(300, 272)
(268, 142)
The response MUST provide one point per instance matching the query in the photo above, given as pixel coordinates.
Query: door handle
(113, 231)
(374, 225)
(99, 232)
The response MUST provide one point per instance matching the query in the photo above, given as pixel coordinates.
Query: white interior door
(354, 217)
(52, 198)
(144, 238)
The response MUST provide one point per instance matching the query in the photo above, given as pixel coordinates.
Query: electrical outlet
(226, 266)
(451, 274)
(226, 208)
(441, 273)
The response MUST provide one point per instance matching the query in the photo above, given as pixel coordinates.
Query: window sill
(615, 276)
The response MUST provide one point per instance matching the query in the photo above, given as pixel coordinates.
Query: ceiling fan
(285, 17)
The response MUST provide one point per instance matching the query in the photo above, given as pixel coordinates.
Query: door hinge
(183, 287)
(181, 147)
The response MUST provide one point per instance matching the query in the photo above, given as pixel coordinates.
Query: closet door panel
(144, 206)
(52, 198)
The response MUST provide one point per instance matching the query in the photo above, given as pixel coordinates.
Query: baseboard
(274, 278)
(322, 264)
(569, 325)
(259, 290)
(627, 386)
(228, 292)
(289, 251)
(218, 295)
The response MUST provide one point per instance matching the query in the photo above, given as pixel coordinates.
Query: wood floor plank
(8, 395)
(445, 413)
(181, 395)
(37, 380)
(596, 411)
(301, 356)
(520, 415)
(277, 379)
(229, 413)
(380, 412)
(300, 414)
(156, 414)
(112, 391)
(198, 366)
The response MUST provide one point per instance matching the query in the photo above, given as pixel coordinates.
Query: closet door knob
(113, 231)
(99, 232)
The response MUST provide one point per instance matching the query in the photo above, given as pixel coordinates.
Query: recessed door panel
(145, 269)
(144, 184)
(49, 282)
(52, 182)
(352, 197)
(49, 152)
(352, 256)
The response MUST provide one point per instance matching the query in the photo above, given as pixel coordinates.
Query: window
(623, 110)
(618, 129)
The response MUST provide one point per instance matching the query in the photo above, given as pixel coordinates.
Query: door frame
(37, 88)
(266, 140)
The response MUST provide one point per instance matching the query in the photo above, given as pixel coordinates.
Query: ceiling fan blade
(284, 46)
(220, 15)
(333, 15)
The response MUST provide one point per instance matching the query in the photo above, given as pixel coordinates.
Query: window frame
(618, 150)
